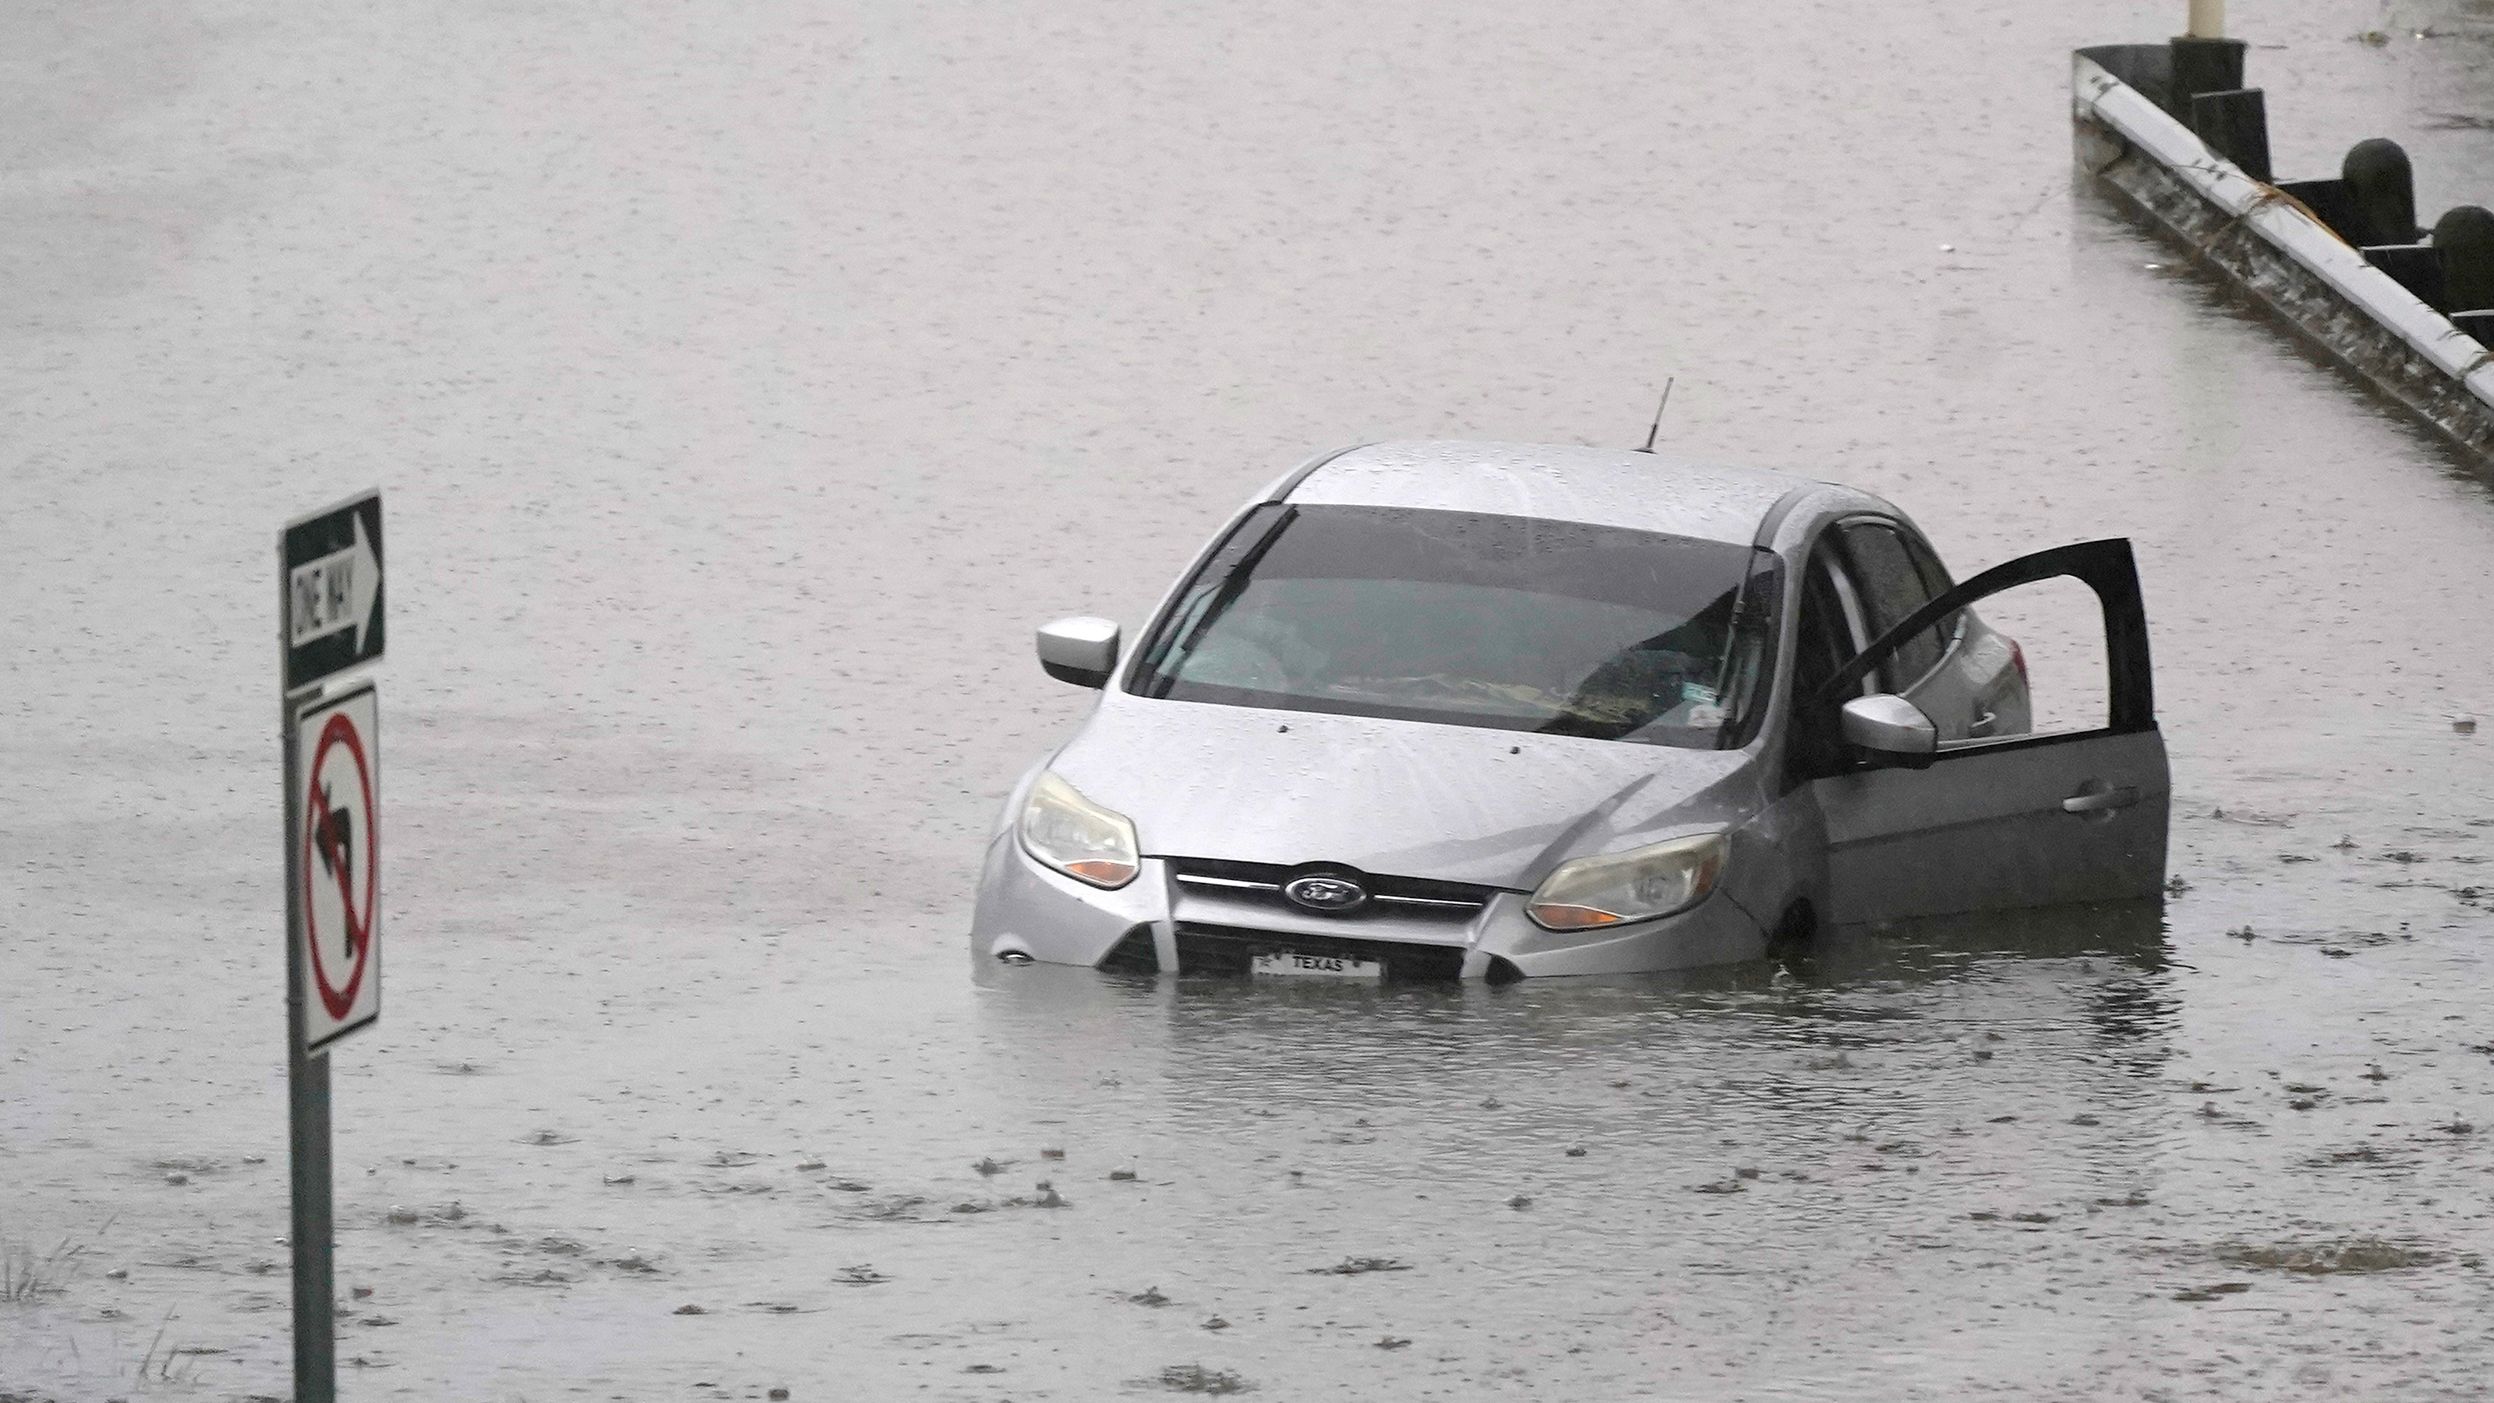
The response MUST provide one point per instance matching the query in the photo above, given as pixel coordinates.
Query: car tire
(1794, 930)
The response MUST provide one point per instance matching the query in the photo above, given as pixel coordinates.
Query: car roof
(1556, 482)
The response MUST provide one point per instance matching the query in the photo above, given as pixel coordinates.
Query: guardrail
(2171, 130)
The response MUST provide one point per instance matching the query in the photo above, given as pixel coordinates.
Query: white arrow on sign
(335, 593)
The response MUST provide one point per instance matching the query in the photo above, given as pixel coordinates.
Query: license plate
(1291, 962)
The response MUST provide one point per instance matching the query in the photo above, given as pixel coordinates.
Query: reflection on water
(2082, 990)
(1562, 1162)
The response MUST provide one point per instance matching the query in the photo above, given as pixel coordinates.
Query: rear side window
(1892, 587)
(1935, 582)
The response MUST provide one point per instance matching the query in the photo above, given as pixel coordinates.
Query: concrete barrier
(2276, 242)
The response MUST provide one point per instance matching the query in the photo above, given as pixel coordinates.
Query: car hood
(1405, 798)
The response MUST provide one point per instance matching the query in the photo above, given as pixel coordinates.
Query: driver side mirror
(1081, 650)
(1892, 729)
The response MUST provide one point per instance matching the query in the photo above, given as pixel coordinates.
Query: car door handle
(2117, 797)
(1983, 724)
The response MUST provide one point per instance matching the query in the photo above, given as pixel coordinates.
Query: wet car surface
(731, 377)
(1475, 710)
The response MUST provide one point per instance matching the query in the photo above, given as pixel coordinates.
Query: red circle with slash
(339, 734)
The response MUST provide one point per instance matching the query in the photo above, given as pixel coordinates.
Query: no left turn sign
(338, 813)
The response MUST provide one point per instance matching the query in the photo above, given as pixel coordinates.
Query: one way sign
(333, 590)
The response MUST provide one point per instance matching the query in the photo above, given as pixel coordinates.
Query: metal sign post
(328, 621)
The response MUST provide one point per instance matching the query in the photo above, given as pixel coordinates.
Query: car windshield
(1472, 619)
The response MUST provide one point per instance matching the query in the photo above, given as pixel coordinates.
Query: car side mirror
(1892, 729)
(1081, 650)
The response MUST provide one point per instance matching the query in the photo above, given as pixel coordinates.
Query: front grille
(1232, 950)
(1409, 898)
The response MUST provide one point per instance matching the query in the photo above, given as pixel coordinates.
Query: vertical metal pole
(2208, 19)
(307, 1098)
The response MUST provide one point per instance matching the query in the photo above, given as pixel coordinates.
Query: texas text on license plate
(1317, 966)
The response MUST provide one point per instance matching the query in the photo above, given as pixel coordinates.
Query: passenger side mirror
(1892, 729)
(1081, 650)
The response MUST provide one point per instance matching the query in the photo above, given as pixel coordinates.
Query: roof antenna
(1657, 426)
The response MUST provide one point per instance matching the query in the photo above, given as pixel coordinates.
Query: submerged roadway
(747, 381)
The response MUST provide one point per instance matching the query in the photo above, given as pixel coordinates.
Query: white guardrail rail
(2280, 252)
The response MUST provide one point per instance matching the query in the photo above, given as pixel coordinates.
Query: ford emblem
(1333, 893)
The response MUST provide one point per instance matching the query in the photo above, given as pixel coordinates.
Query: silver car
(1440, 710)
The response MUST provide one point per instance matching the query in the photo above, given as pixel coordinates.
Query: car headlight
(1637, 885)
(1077, 837)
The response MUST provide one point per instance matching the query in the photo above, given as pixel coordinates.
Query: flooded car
(1473, 710)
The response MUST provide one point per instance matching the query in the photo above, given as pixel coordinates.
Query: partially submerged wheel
(1794, 930)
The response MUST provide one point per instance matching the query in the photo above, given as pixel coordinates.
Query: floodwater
(746, 381)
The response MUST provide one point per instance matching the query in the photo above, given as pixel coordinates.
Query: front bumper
(1025, 910)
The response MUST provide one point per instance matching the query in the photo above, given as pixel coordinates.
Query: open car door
(2072, 813)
